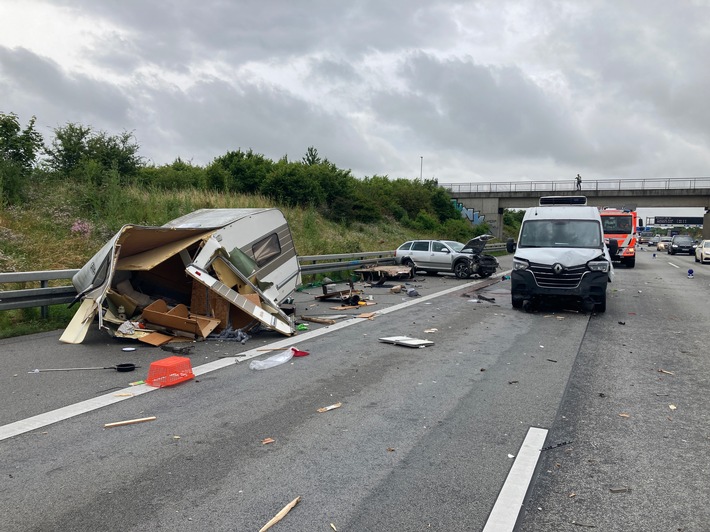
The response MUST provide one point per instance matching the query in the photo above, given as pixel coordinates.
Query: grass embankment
(57, 228)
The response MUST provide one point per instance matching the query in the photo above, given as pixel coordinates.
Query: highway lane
(636, 411)
(422, 441)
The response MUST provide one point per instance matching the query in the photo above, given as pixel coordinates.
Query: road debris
(666, 372)
(406, 341)
(621, 489)
(267, 441)
(625, 415)
(286, 509)
(329, 407)
(272, 361)
(555, 445)
(129, 422)
(315, 319)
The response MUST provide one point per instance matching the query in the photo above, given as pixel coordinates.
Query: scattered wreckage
(209, 270)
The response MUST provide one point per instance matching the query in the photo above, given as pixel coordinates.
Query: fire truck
(620, 225)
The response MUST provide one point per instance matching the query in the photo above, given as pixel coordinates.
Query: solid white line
(510, 499)
(60, 414)
(673, 265)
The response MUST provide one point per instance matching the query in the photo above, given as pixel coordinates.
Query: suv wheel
(461, 270)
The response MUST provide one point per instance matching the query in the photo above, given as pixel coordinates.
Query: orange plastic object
(169, 371)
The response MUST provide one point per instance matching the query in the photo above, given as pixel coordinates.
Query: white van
(561, 254)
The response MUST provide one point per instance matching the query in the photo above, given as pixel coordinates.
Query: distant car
(680, 244)
(702, 251)
(663, 243)
(654, 241)
(434, 256)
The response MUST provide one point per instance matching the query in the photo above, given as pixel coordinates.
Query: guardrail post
(44, 311)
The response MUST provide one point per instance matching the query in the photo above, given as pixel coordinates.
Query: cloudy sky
(460, 91)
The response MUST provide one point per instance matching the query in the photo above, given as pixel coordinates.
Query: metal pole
(421, 166)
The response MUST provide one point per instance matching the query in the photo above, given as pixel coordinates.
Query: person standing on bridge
(578, 179)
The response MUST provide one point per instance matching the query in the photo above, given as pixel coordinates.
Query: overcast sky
(459, 91)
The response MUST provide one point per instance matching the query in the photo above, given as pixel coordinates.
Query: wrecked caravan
(206, 271)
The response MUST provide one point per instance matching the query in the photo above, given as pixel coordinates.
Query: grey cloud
(214, 117)
(485, 111)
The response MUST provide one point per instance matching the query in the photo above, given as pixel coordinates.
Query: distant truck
(620, 225)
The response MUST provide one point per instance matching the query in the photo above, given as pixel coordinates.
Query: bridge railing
(659, 183)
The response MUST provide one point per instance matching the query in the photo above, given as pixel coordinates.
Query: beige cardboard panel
(122, 300)
(156, 339)
(149, 259)
(178, 318)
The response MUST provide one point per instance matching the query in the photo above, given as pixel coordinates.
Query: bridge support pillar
(491, 210)
(706, 226)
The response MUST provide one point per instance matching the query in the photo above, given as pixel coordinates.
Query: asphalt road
(423, 440)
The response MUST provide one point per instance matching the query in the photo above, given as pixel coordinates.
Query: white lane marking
(60, 414)
(510, 499)
(675, 266)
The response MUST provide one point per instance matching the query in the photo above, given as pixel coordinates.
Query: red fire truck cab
(621, 225)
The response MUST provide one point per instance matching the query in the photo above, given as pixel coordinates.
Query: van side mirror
(510, 245)
(613, 246)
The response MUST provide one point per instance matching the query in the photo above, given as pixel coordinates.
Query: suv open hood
(476, 245)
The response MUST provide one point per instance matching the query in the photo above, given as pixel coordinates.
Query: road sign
(678, 220)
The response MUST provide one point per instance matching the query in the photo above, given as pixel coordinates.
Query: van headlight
(519, 264)
(598, 266)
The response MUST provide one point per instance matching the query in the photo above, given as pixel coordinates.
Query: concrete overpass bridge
(490, 199)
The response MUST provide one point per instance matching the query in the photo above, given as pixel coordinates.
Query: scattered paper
(330, 407)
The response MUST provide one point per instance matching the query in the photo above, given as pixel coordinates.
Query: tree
(73, 144)
(16, 146)
(18, 153)
(311, 157)
(69, 147)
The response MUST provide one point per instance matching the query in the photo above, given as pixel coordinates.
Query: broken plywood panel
(179, 318)
(406, 341)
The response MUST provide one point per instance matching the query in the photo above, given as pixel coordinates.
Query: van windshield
(560, 234)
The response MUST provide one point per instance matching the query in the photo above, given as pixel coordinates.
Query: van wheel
(601, 306)
(461, 270)
(517, 301)
(630, 263)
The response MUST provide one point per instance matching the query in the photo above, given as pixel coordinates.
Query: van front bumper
(590, 287)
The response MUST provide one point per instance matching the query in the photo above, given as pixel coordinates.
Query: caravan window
(266, 249)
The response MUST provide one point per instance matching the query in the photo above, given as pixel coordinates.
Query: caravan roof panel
(212, 218)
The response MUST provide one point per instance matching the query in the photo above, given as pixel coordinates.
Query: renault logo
(557, 268)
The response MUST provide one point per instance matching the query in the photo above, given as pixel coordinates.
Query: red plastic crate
(169, 371)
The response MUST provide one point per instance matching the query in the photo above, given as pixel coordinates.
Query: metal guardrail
(45, 296)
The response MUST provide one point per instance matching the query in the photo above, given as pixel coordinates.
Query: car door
(421, 254)
(441, 256)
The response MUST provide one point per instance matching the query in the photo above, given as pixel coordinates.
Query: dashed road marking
(510, 499)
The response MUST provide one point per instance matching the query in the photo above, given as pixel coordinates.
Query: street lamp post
(421, 166)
